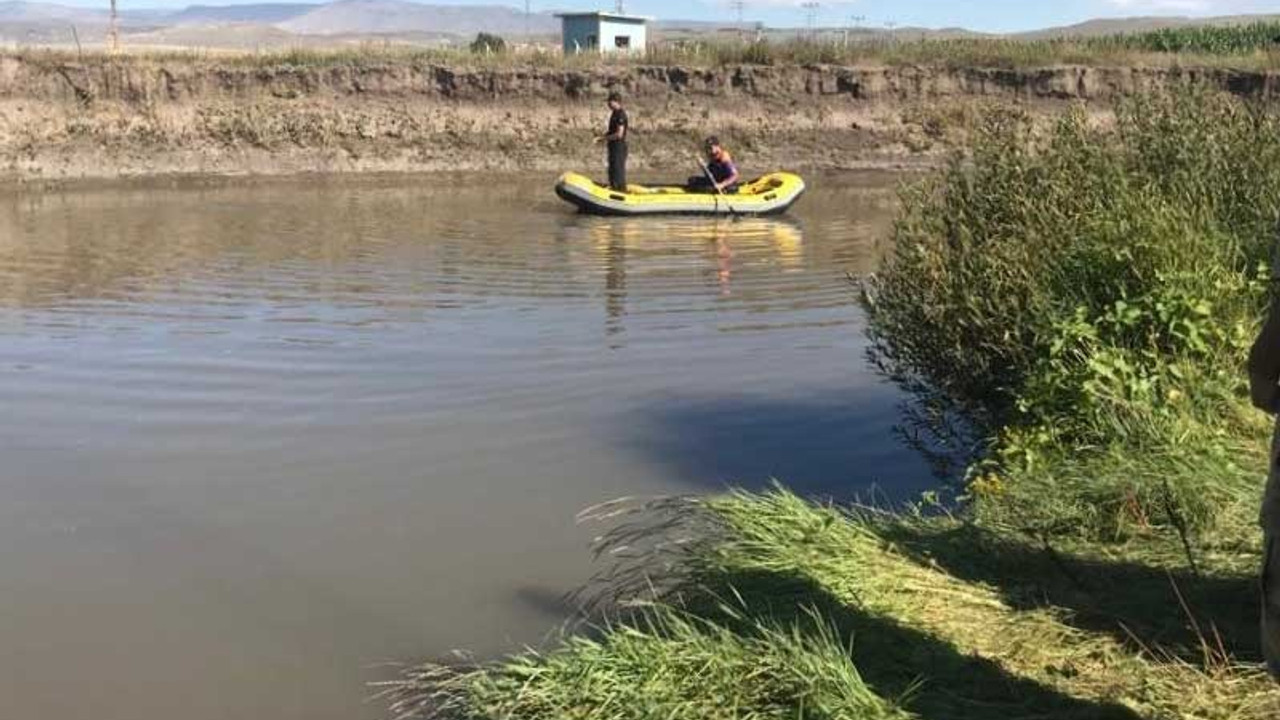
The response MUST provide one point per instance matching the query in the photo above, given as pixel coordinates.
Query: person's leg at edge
(1270, 579)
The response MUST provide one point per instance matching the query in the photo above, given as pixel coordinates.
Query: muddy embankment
(135, 116)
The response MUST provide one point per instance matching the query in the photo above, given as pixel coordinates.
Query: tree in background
(488, 44)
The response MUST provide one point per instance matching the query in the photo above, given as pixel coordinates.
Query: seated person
(723, 172)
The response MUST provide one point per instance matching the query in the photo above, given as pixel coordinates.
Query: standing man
(616, 139)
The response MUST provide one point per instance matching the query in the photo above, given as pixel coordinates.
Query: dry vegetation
(1254, 46)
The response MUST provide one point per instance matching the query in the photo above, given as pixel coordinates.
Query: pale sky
(988, 15)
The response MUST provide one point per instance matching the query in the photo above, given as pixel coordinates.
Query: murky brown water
(258, 439)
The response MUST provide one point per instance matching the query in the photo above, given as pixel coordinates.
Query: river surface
(259, 439)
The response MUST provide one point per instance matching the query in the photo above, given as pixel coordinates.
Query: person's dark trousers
(618, 166)
(701, 184)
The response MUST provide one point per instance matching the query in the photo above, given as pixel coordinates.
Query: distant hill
(264, 13)
(233, 36)
(46, 33)
(38, 12)
(399, 16)
(704, 25)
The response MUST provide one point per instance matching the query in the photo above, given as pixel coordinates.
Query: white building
(602, 32)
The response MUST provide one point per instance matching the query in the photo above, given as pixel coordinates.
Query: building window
(622, 42)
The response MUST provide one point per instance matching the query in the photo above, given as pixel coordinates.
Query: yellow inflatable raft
(767, 195)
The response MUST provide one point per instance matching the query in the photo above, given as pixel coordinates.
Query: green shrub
(486, 44)
(1086, 298)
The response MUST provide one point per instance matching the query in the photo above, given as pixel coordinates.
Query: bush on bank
(1087, 297)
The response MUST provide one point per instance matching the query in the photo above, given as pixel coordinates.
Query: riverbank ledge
(64, 116)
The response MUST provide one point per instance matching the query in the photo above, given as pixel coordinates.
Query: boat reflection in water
(643, 258)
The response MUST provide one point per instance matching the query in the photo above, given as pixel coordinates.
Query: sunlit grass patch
(663, 663)
(883, 615)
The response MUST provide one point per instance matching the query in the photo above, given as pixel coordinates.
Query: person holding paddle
(720, 173)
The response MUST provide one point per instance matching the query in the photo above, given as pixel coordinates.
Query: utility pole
(857, 24)
(738, 6)
(526, 21)
(810, 15)
(618, 8)
(113, 31)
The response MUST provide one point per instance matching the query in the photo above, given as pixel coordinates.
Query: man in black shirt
(616, 137)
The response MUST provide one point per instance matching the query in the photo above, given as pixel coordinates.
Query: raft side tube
(767, 195)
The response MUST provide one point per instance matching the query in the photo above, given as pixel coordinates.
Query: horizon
(993, 16)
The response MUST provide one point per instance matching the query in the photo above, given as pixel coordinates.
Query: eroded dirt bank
(133, 116)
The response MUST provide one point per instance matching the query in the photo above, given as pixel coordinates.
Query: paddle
(719, 191)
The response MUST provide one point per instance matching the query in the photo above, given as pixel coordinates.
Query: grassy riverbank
(1080, 302)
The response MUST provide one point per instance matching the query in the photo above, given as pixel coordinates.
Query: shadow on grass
(940, 683)
(1130, 601)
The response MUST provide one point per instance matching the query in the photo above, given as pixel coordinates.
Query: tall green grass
(1086, 298)
(1203, 39)
(664, 663)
